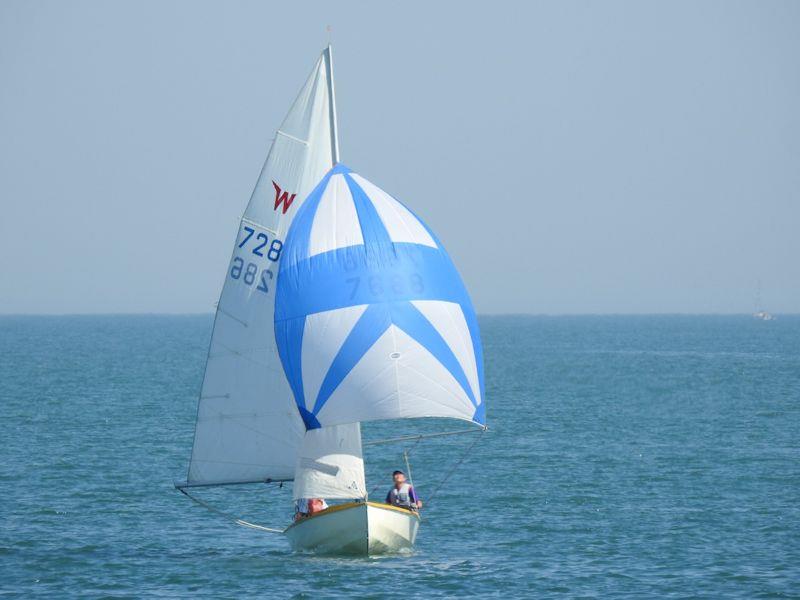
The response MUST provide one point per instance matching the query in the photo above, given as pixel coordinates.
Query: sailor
(402, 494)
(306, 507)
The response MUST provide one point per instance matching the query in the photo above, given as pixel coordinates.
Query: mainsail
(248, 429)
(372, 320)
(330, 464)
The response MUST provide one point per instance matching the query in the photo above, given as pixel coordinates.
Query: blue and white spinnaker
(372, 320)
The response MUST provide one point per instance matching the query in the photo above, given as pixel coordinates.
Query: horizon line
(482, 314)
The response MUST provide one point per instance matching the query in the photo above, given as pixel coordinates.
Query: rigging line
(180, 485)
(409, 451)
(408, 468)
(421, 436)
(453, 470)
(419, 439)
(228, 516)
(408, 464)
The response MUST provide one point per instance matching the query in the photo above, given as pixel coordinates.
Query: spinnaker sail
(372, 320)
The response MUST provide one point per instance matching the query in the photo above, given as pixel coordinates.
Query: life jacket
(401, 497)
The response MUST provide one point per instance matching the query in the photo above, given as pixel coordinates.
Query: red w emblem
(282, 197)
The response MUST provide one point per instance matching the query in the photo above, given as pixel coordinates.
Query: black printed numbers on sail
(252, 260)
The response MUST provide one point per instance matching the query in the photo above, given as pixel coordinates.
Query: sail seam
(396, 367)
(434, 382)
(257, 224)
(243, 354)
(470, 348)
(291, 137)
(229, 315)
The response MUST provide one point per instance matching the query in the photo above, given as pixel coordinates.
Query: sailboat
(760, 313)
(339, 307)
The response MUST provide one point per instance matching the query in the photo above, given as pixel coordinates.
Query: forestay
(248, 428)
(330, 464)
(372, 320)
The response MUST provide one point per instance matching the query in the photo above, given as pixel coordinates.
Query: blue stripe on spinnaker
(351, 276)
(289, 339)
(480, 413)
(304, 219)
(469, 315)
(408, 318)
(339, 169)
(373, 231)
(369, 327)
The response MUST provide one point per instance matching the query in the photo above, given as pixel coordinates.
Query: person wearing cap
(402, 493)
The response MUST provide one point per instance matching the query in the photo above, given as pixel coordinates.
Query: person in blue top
(402, 494)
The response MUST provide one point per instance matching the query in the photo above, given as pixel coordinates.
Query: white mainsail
(330, 464)
(248, 427)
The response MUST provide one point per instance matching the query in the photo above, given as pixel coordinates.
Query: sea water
(628, 456)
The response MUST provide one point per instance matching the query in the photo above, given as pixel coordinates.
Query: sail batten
(248, 429)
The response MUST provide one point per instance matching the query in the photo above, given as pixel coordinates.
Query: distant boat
(760, 313)
(339, 306)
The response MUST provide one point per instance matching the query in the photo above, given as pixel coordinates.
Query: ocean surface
(642, 456)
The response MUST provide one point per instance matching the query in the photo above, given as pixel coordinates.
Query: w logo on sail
(282, 197)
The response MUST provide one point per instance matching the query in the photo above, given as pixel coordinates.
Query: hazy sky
(572, 156)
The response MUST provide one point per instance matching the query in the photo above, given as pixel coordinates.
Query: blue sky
(574, 157)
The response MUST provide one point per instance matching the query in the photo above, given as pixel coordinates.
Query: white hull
(364, 528)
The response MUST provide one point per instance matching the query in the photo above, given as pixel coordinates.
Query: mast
(328, 52)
